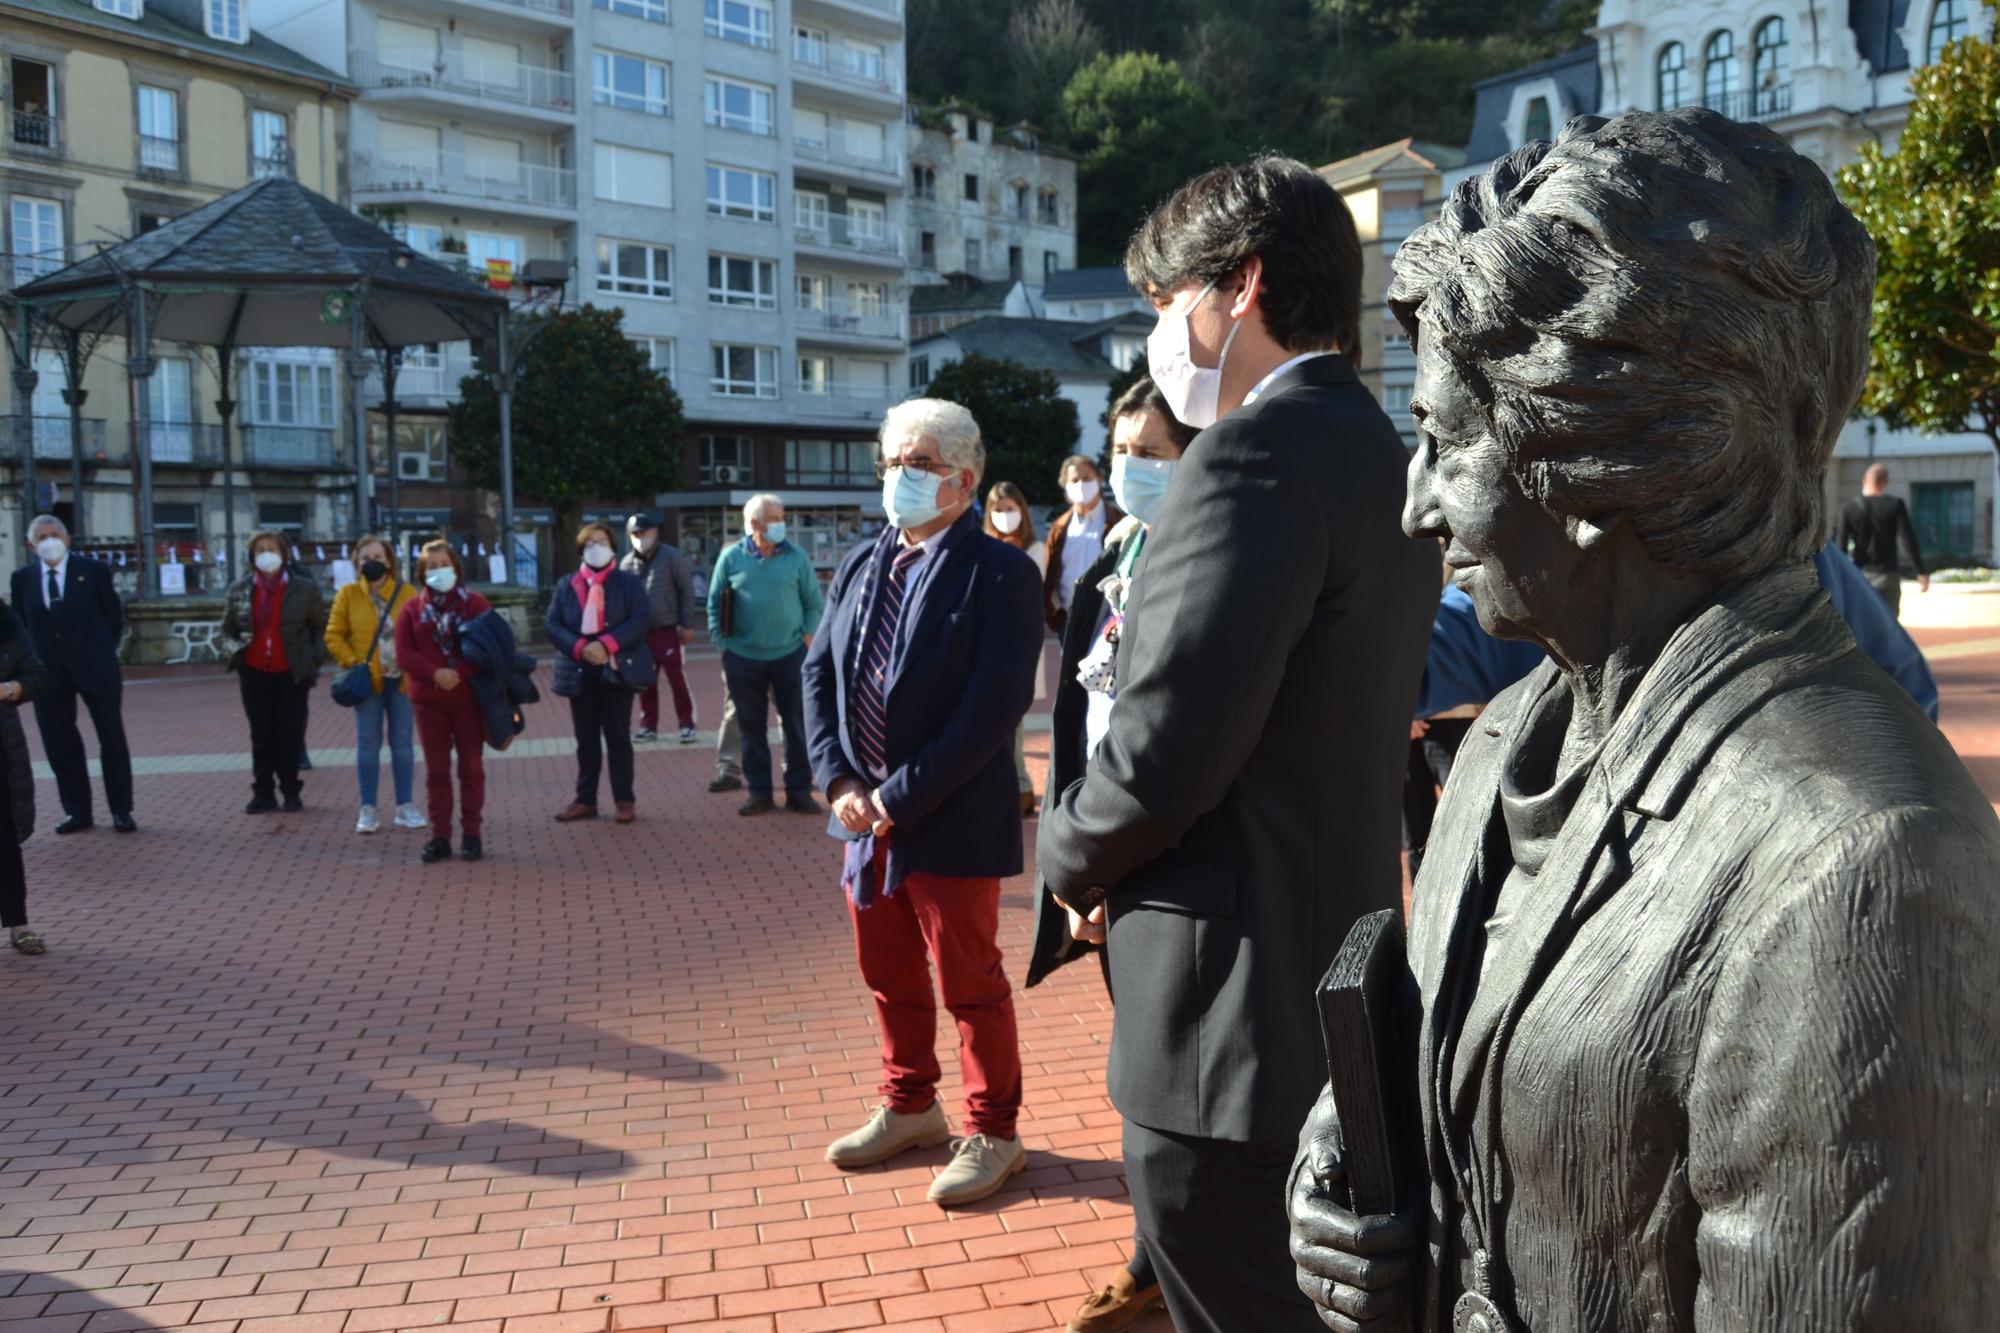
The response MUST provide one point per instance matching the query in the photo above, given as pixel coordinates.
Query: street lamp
(542, 281)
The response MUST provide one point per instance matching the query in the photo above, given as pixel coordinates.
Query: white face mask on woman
(442, 579)
(597, 555)
(1007, 522)
(269, 562)
(1193, 393)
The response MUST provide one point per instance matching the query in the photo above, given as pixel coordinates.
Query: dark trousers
(753, 687)
(275, 704)
(13, 874)
(1431, 758)
(55, 714)
(1212, 1214)
(1889, 583)
(666, 646)
(602, 716)
(443, 727)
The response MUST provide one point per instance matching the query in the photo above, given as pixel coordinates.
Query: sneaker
(471, 850)
(1120, 1304)
(689, 735)
(757, 805)
(408, 816)
(645, 734)
(436, 850)
(887, 1134)
(979, 1165)
(725, 782)
(366, 822)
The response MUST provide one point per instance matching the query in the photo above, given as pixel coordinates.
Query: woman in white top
(1008, 520)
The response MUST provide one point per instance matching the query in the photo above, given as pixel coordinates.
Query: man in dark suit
(74, 619)
(923, 668)
(1244, 808)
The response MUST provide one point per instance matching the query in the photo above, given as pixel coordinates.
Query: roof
(1575, 74)
(931, 297)
(1877, 28)
(1040, 344)
(179, 24)
(1422, 156)
(1087, 284)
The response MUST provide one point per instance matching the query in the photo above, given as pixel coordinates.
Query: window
(170, 405)
(493, 256)
(631, 268)
(1050, 262)
(972, 257)
(736, 281)
(737, 371)
(1770, 68)
(33, 102)
(866, 221)
(864, 140)
(225, 20)
(745, 21)
(290, 393)
(653, 11)
(1949, 22)
(159, 129)
(35, 236)
(927, 326)
(629, 83)
(971, 188)
(270, 140)
(1019, 202)
(809, 45)
(124, 9)
(1671, 76)
(809, 130)
(868, 298)
(1396, 398)
(659, 353)
(815, 375)
(422, 442)
(634, 176)
(1942, 512)
(927, 250)
(814, 291)
(1718, 71)
(151, 221)
(923, 182)
(829, 463)
(426, 238)
(1016, 263)
(862, 59)
(1536, 126)
(735, 193)
(1049, 209)
(727, 459)
(809, 211)
(739, 106)
(920, 371)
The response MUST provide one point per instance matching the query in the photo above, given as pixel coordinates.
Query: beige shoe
(887, 1134)
(980, 1165)
(1119, 1305)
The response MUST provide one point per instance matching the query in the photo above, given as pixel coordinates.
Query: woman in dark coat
(21, 679)
(274, 628)
(595, 613)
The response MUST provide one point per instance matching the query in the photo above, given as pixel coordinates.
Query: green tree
(592, 419)
(1028, 426)
(1933, 208)
(1048, 42)
(1141, 128)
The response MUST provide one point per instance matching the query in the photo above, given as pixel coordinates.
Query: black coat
(627, 617)
(18, 663)
(504, 678)
(79, 644)
(301, 623)
(1245, 807)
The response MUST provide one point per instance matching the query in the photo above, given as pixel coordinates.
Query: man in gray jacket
(669, 580)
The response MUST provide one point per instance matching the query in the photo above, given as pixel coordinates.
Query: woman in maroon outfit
(446, 710)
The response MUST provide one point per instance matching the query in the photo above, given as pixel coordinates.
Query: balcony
(1752, 104)
(399, 175)
(842, 401)
(838, 320)
(512, 13)
(847, 71)
(184, 443)
(881, 17)
(34, 132)
(159, 153)
(311, 447)
(883, 171)
(52, 441)
(452, 77)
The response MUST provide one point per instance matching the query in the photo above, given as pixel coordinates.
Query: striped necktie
(870, 716)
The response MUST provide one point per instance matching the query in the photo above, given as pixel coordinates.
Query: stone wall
(172, 630)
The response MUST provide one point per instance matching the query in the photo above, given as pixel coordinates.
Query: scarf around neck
(446, 615)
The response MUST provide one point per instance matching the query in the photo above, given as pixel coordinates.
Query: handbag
(634, 667)
(356, 685)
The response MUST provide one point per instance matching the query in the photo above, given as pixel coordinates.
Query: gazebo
(271, 265)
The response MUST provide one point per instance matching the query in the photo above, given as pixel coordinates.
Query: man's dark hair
(1274, 209)
(1142, 395)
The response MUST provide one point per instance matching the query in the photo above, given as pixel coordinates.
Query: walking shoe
(1119, 1305)
(76, 824)
(802, 805)
(689, 735)
(437, 849)
(259, 805)
(1029, 805)
(574, 811)
(125, 823)
(294, 803)
(980, 1165)
(724, 782)
(627, 812)
(757, 805)
(645, 734)
(366, 822)
(408, 816)
(471, 850)
(887, 1134)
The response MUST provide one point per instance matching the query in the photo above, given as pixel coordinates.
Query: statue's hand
(1356, 1268)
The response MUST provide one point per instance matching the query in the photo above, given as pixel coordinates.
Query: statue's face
(1507, 551)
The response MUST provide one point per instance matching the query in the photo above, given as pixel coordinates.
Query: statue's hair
(1664, 316)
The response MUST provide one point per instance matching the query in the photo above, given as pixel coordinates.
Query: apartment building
(988, 203)
(120, 115)
(730, 173)
(1829, 78)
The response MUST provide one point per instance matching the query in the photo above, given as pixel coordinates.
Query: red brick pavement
(274, 1076)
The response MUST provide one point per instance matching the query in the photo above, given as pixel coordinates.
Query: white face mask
(51, 550)
(1193, 393)
(442, 579)
(597, 555)
(1007, 521)
(1081, 492)
(1141, 484)
(644, 543)
(269, 562)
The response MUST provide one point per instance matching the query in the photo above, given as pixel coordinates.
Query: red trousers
(453, 721)
(666, 646)
(957, 923)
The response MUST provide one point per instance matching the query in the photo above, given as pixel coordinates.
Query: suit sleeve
(821, 682)
(1841, 1134)
(991, 700)
(1224, 590)
(810, 597)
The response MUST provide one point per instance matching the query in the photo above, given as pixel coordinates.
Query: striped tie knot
(870, 714)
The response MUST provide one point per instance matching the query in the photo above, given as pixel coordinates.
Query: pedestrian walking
(1008, 520)
(74, 620)
(764, 604)
(924, 671)
(1870, 527)
(361, 630)
(449, 718)
(1076, 538)
(22, 679)
(597, 616)
(274, 630)
(669, 579)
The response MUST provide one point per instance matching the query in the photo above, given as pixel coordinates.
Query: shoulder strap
(381, 619)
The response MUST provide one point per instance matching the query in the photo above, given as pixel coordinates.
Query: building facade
(1091, 293)
(988, 202)
(1828, 78)
(122, 115)
(1084, 358)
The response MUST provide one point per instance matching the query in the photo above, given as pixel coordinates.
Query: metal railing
(883, 6)
(838, 315)
(159, 153)
(421, 170)
(1752, 104)
(288, 446)
(872, 73)
(34, 129)
(829, 150)
(836, 399)
(52, 440)
(184, 442)
(563, 7)
(838, 234)
(453, 71)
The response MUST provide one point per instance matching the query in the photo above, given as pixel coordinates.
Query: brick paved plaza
(275, 1076)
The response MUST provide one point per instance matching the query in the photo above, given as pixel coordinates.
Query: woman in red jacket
(447, 711)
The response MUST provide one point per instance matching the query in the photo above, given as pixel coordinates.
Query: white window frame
(761, 294)
(813, 291)
(761, 183)
(155, 106)
(224, 20)
(124, 9)
(290, 391)
(764, 369)
(609, 279)
(269, 153)
(809, 45)
(605, 158)
(604, 88)
(816, 375)
(867, 220)
(652, 11)
(812, 211)
(34, 236)
(760, 117)
(746, 22)
(652, 347)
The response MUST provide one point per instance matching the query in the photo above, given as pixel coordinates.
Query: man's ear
(1253, 286)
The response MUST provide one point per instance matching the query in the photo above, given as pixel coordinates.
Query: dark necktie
(871, 721)
(55, 591)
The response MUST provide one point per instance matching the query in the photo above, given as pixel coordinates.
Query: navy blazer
(627, 616)
(961, 675)
(78, 644)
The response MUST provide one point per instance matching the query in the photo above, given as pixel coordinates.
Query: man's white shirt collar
(1265, 383)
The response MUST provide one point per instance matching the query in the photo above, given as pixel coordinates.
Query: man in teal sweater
(772, 608)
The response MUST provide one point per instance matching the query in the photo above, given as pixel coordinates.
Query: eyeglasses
(884, 468)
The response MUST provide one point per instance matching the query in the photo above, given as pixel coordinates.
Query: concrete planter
(1952, 606)
(173, 630)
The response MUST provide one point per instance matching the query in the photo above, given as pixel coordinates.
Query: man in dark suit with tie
(1244, 808)
(74, 619)
(923, 667)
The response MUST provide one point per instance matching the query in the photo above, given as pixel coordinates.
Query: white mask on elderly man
(51, 549)
(1081, 492)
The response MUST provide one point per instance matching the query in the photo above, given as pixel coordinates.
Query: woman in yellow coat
(370, 601)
